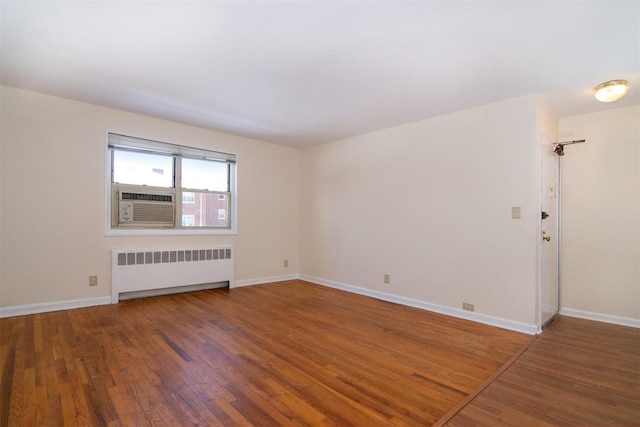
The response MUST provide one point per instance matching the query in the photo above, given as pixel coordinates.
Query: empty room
(306, 213)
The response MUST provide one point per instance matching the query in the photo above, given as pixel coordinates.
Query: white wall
(601, 214)
(53, 196)
(430, 204)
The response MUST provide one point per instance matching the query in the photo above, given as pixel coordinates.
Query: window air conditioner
(139, 208)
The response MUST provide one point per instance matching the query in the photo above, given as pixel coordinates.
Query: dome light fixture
(611, 91)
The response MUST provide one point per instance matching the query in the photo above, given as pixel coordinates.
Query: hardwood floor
(577, 373)
(293, 353)
(288, 353)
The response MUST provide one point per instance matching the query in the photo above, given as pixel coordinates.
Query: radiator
(137, 270)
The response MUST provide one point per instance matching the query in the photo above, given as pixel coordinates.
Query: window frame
(116, 141)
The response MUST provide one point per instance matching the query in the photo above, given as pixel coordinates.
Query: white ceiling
(301, 73)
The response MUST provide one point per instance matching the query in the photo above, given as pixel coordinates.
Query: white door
(550, 232)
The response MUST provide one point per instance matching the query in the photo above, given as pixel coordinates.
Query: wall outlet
(93, 280)
(386, 278)
(515, 212)
(286, 263)
(468, 307)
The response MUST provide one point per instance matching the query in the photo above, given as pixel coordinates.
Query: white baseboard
(271, 279)
(599, 317)
(21, 310)
(449, 311)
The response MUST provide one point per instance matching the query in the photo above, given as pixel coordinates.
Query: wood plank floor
(293, 353)
(288, 353)
(577, 373)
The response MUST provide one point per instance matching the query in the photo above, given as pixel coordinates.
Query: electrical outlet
(468, 307)
(386, 278)
(515, 212)
(286, 263)
(93, 280)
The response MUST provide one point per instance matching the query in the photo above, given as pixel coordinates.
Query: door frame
(555, 234)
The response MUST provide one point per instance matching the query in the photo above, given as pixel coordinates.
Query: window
(142, 169)
(160, 186)
(188, 220)
(188, 197)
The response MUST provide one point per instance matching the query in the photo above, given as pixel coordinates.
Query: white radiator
(139, 270)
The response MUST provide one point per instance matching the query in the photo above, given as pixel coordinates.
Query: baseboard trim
(23, 310)
(599, 317)
(436, 308)
(260, 281)
(45, 307)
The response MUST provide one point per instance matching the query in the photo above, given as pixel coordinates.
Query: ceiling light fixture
(611, 91)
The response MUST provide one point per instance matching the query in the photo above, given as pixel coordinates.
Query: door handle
(546, 238)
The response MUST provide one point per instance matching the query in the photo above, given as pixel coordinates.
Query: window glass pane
(142, 169)
(208, 210)
(205, 175)
(188, 220)
(188, 197)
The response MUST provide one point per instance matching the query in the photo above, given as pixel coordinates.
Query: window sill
(168, 232)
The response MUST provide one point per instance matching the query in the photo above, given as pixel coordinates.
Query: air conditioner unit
(137, 208)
